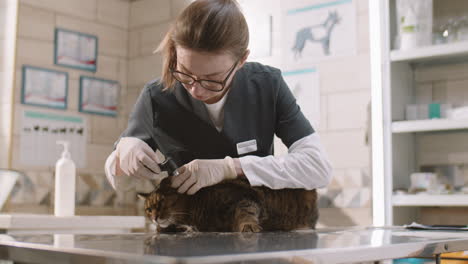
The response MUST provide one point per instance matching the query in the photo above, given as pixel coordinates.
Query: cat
(231, 206)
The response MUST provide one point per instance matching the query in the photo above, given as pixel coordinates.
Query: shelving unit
(394, 142)
(429, 125)
(430, 200)
(441, 51)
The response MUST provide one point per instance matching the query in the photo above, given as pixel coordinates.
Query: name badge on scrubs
(246, 147)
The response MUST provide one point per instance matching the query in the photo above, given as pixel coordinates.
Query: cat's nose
(162, 222)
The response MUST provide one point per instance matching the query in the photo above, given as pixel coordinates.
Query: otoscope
(170, 166)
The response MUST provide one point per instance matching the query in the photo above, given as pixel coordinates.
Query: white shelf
(431, 52)
(429, 125)
(430, 200)
(43, 222)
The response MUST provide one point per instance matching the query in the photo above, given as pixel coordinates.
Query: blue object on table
(411, 261)
(434, 110)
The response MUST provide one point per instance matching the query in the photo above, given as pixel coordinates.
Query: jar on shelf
(451, 29)
(414, 23)
(439, 31)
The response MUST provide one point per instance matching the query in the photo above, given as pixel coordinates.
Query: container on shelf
(414, 19)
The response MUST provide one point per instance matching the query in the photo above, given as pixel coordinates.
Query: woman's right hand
(135, 158)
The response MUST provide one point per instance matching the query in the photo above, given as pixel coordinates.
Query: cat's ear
(166, 182)
(142, 196)
(157, 183)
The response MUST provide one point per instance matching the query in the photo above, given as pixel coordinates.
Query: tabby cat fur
(231, 206)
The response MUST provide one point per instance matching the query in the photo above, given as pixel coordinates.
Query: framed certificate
(44, 87)
(98, 96)
(75, 50)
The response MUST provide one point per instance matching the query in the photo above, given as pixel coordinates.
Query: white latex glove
(135, 158)
(202, 173)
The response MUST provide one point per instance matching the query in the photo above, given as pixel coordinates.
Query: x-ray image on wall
(76, 50)
(44, 87)
(314, 30)
(98, 96)
(304, 83)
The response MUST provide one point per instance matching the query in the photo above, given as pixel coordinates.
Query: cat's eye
(148, 210)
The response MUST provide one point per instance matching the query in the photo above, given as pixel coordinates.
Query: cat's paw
(186, 229)
(250, 228)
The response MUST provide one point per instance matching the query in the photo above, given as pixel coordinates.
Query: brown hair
(205, 26)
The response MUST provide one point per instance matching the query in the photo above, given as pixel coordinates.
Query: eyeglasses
(214, 86)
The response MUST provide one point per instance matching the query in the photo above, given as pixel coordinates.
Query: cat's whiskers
(180, 213)
(171, 220)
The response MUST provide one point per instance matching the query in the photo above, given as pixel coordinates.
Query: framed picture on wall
(75, 50)
(98, 96)
(44, 87)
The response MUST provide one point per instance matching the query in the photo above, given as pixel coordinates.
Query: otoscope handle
(170, 166)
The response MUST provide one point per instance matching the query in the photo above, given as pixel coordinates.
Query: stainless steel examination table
(329, 246)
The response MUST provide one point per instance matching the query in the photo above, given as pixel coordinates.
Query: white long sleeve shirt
(305, 166)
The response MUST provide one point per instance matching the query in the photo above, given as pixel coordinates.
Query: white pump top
(66, 153)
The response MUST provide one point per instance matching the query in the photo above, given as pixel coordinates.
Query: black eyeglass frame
(222, 83)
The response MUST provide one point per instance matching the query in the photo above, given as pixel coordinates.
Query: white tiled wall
(113, 12)
(84, 9)
(42, 19)
(345, 73)
(349, 110)
(149, 12)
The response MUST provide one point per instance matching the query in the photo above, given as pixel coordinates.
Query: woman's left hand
(202, 173)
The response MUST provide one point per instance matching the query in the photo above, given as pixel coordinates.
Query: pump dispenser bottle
(65, 173)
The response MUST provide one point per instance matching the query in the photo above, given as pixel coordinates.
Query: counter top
(36, 222)
(307, 246)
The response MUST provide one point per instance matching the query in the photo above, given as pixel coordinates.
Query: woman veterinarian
(216, 114)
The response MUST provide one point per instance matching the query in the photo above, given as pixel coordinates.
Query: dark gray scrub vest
(258, 106)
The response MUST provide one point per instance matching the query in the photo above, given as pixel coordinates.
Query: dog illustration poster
(314, 30)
